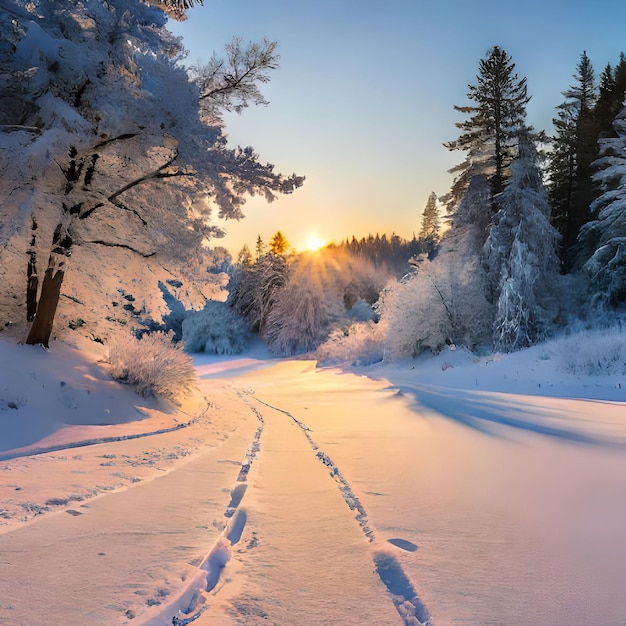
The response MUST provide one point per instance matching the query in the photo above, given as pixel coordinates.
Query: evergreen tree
(244, 257)
(520, 256)
(279, 244)
(259, 248)
(176, 9)
(603, 240)
(611, 98)
(431, 225)
(489, 135)
(604, 110)
(574, 150)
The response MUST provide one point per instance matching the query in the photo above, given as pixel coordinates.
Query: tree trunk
(41, 329)
(31, 291)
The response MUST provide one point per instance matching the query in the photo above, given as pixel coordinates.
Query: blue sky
(364, 96)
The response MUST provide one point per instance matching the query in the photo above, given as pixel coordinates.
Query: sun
(313, 242)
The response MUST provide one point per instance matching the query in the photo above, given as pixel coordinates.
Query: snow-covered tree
(216, 329)
(108, 164)
(176, 8)
(520, 256)
(298, 320)
(244, 256)
(603, 240)
(257, 288)
(232, 84)
(431, 224)
(443, 301)
(488, 137)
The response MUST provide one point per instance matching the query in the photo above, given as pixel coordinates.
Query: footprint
(215, 563)
(403, 544)
(237, 525)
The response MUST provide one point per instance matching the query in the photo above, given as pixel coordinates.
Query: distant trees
(391, 253)
(294, 301)
(488, 137)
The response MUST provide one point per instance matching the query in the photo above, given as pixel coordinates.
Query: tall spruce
(603, 241)
(611, 97)
(489, 135)
(431, 225)
(520, 256)
(574, 150)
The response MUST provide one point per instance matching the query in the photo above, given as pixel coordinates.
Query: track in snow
(194, 602)
(408, 604)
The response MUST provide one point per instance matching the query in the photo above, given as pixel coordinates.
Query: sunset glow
(313, 242)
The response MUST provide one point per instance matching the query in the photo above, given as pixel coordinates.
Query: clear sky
(364, 96)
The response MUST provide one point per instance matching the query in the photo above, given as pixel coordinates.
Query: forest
(109, 184)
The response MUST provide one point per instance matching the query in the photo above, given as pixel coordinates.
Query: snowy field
(446, 490)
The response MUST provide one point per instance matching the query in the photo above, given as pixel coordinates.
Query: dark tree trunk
(32, 280)
(31, 293)
(41, 329)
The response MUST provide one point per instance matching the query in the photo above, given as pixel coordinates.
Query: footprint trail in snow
(408, 604)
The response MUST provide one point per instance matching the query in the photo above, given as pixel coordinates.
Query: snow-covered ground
(454, 489)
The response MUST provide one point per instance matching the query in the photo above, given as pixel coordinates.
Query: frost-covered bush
(415, 318)
(153, 365)
(442, 303)
(361, 343)
(361, 311)
(217, 329)
(592, 353)
(299, 319)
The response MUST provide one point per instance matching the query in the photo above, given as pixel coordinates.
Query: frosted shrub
(297, 322)
(154, 366)
(217, 329)
(415, 318)
(592, 353)
(360, 344)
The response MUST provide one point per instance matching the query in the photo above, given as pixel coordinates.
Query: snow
(455, 488)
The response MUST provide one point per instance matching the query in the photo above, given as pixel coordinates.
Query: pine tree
(259, 248)
(574, 150)
(431, 225)
(278, 244)
(611, 98)
(520, 256)
(603, 240)
(604, 110)
(244, 257)
(489, 135)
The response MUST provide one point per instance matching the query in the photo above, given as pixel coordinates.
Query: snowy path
(105, 560)
(512, 524)
(314, 497)
(305, 559)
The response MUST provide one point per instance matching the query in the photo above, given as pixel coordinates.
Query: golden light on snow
(313, 242)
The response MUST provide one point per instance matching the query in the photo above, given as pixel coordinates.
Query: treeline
(535, 238)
